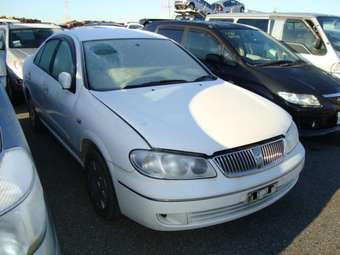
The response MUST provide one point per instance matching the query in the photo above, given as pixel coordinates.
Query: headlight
(23, 214)
(171, 166)
(292, 138)
(300, 99)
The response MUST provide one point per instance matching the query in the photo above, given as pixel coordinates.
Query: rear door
(38, 76)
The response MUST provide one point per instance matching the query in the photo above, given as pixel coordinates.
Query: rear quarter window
(175, 34)
(259, 23)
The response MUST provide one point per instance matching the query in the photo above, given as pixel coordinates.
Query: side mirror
(318, 43)
(65, 80)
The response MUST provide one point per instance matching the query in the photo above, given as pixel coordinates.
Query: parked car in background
(163, 141)
(20, 40)
(133, 25)
(25, 224)
(226, 6)
(250, 58)
(201, 6)
(315, 37)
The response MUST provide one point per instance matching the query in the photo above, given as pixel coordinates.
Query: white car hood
(22, 54)
(202, 118)
(16, 59)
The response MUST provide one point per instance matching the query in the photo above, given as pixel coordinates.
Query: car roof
(207, 24)
(109, 32)
(270, 14)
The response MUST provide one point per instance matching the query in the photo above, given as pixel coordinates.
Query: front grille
(251, 160)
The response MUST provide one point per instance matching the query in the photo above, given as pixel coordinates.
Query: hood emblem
(258, 156)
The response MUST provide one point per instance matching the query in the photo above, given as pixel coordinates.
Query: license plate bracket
(262, 193)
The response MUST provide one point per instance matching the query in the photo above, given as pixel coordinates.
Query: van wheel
(35, 121)
(191, 6)
(100, 186)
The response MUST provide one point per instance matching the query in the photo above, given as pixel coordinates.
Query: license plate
(262, 193)
(338, 123)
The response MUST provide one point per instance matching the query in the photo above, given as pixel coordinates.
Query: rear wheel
(35, 121)
(100, 186)
(9, 89)
(242, 9)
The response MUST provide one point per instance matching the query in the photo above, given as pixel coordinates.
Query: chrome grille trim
(251, 160)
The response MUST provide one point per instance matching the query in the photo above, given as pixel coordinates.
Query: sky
(128, 10)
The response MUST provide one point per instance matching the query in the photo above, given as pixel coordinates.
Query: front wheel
(100, 187)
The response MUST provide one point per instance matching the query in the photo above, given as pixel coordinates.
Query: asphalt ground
(305, 221)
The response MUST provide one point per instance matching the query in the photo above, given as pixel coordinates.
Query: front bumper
(50, 244)
(317, 121)
(204, 209)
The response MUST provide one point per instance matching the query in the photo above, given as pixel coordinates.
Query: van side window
(175, 34)
(302, 39)
(259, 23)
(44, 56)
(201, 43)
(222, 20)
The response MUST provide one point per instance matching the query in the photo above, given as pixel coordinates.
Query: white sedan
(162, 140)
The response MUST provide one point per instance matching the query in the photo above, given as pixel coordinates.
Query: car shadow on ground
(269, 231)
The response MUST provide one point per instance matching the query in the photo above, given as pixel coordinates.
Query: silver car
(17, 41)
(25, 225)
(226, 6)
(194, 5)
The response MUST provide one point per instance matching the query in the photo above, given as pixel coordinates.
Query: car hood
(202, 118)
(22, 54)
(302, 79)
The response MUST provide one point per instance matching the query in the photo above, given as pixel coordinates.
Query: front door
(60, 102)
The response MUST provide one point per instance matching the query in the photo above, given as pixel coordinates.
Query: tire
(100, 187)
(191, 6)
(242, 9)
(35, 121)
(9, 89)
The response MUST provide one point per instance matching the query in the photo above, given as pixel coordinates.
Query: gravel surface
(306, 221)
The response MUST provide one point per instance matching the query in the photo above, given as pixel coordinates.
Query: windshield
(331, 26)
(29, 38)
(131, 63)
(256, 48)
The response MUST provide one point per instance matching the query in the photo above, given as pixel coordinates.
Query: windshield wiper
(155, 83)
(205, 78)
(279, 63)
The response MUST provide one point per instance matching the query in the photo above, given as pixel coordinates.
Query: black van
(252, 59)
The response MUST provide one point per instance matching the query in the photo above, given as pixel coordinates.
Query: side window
(44, 56)
(201, 44)
(175, 34)
(2, 40)
(259, 23)
(302, 39)
(63, 61)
